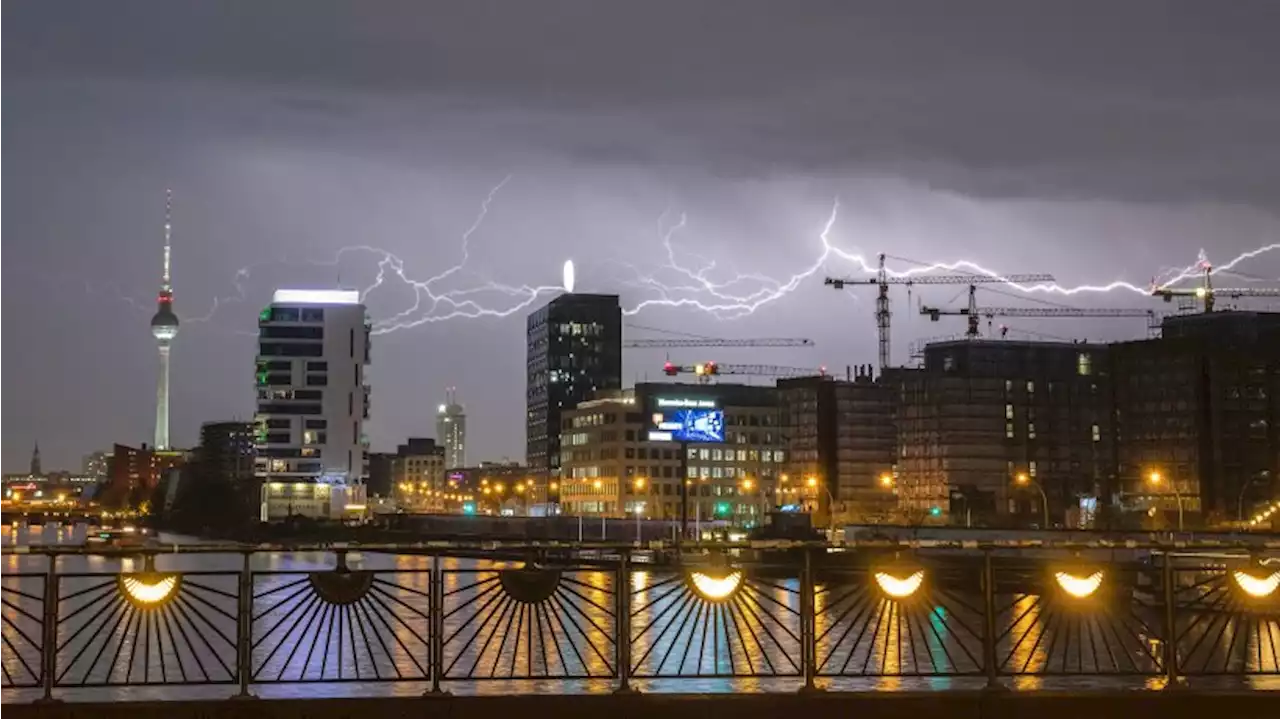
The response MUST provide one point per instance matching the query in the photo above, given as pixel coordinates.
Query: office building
(451, 429)
(227, 451)
(622, 453)
(95, 465)
(380, 482)
(134, 472)
(842, 434)
(313, 347)
(1198, 408)
(986, 424)
(417, 475)
(574, 350)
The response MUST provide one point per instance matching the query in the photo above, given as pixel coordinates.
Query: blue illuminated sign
(695, 425)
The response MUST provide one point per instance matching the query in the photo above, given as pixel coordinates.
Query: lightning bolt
(694, 283)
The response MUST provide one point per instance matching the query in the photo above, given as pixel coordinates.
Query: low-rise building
(622, 453)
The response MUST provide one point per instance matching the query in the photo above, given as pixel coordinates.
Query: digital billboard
(688, 420)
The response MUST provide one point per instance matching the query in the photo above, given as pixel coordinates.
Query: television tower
(164, 327)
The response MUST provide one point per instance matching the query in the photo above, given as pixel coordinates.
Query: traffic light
(468, 507)
(935, 511)
(722, 509)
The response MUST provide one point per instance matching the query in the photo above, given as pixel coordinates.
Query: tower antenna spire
(166, 282)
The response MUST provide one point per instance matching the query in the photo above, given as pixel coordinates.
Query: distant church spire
(35, 462)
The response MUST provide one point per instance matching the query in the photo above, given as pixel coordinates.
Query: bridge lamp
(900, 587)
(1079, 584)
(715, 586)
(1255, 584)
(148, 590)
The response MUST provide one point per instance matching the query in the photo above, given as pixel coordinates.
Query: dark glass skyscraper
(574, 350)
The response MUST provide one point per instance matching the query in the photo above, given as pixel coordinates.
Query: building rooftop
(317, 297)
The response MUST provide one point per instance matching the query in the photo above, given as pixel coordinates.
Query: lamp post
(1155, 479)
(1023, 479)
(639, 485)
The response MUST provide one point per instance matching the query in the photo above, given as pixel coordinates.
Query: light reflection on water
(911, 643)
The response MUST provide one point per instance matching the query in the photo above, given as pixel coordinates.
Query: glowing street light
(715, 589)
(900, 588)
(747, 484)
(1256, 586)
(1078, 586)
(886, 480)
(1023, 479)
(811, 481)
(1155, 480)
(638, 482)
(597, 485)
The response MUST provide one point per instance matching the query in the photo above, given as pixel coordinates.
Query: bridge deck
(953, 705)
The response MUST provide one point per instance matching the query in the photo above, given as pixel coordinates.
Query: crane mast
(1207, 293)
(883, 280)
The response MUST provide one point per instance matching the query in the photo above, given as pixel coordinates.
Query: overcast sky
(1096, 141)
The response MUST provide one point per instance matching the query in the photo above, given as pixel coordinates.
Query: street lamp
(1155, 479)
(1023, 479)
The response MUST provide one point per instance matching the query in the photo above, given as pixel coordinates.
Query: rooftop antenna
(166, 284)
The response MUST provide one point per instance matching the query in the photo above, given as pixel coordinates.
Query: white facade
(313, 400)
(451, 429)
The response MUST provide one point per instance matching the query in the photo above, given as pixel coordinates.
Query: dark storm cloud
(1097, 140)
(1084, 99)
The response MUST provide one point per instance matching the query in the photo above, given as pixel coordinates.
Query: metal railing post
(989, 622)
(808, 623)
(622, 624)
(49, 632)
(244, 627)
(436, 638)
(1170, 624)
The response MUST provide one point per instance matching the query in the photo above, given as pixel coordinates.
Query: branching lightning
(695, 284)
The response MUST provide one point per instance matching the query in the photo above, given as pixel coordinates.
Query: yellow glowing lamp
(148, 590)
(900, 587)
(715, 589)
(1079, 586)
(1256, 586)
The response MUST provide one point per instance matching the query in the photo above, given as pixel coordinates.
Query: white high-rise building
(164, 327)
(312, 455)
(451, 428)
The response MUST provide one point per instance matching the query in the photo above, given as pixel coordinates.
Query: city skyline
(1020, 148)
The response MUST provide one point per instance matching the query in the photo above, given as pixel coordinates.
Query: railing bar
(607, 610)
(180, 613)
(321, 617)
(494, 580)
(304, 580)
(552, 611)
(378, 580)
(873, 607)
(546, 665)
(210, 605)
(276, 606)
(13, 652)
(741, 610)
(756, 594)
(507, 603)
(19, 592)
(298, 614)
(126, 610)
(26, 637)
(317, 607)
(655, 600)
(388, 595)
(561, 604)
(182, 601)
(206, 588)
(286, 611)
(386, 651)
(133, 645)
(740, 600)
(587, 617)
(373, 599)
(104, 588)
(746, 597)
(858, 594)
(20, 611)
(678, 577)
(497, 595)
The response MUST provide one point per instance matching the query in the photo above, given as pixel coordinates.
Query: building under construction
(985, 424)
(842, 434)
(1197, 411)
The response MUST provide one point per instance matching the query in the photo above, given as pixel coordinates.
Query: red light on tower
(669, 369)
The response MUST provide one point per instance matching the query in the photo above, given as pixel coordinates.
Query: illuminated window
(1031, 430)
(1031, 468)
(1031, 386)
(1084, 364)
(1008, 430)
(716, 455)
(704, 454)
(1008, 411)
(1097, 433)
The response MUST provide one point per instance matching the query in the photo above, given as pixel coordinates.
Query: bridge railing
(612, 616)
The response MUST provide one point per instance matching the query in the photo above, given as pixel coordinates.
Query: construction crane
(714, 342)
(706, 370)
(1206, 292)
(973, 312)
(882, 280)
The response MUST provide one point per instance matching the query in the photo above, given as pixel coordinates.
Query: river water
(554, 634)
